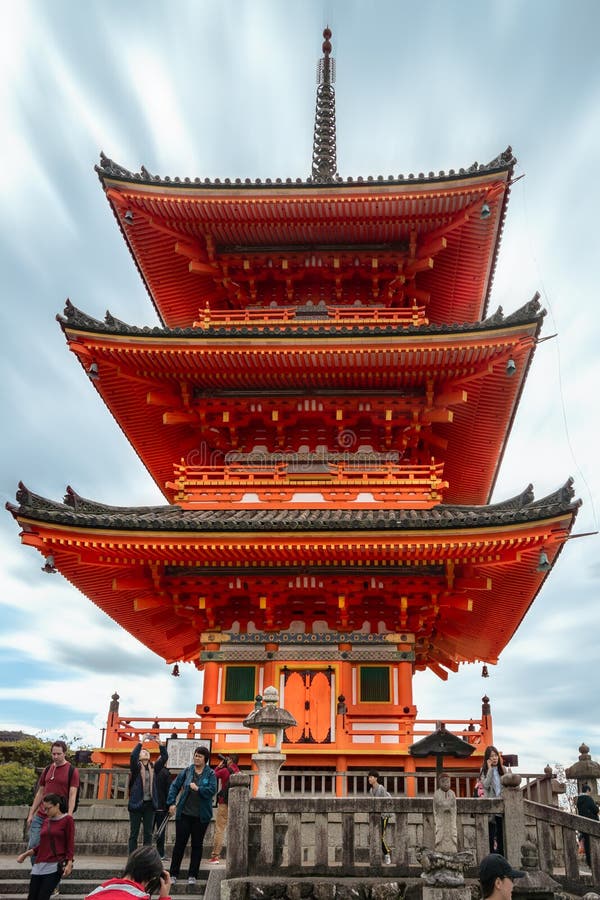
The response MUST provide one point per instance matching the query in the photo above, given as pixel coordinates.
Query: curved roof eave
(75, 319)
(79, 512)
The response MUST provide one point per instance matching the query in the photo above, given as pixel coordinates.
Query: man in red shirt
(61, 778)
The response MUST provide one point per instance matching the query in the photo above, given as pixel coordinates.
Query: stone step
(14, 883)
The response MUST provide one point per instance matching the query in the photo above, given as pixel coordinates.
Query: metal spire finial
(324, 159)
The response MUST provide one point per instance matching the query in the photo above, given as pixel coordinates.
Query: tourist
(588, 808)
(227, 767)
(496, 877)
(53, 854)
(492, 771)
(376, 789)
(163, 783)
(143, 800)
(61, 778)
(144, 873)
(195, 787)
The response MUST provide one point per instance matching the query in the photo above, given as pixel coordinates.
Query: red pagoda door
(308, 699)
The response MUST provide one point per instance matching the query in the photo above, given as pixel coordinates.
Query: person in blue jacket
(195, 787)
(143, 798)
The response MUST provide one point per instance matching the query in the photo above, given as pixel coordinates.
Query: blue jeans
(136, 817)
(35, 830)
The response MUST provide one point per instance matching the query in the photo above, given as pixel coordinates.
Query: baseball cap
(496, 866)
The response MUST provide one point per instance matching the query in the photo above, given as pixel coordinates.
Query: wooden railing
(422, 485)
(123, 733)
(111, 783)
(295, 317)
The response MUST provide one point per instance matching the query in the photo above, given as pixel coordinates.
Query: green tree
(30, 751)
(17, 784)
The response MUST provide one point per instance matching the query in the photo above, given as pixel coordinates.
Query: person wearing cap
(497, 876)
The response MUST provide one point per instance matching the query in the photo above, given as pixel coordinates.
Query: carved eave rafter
(168, 575)
(416, 394)
(396, 243)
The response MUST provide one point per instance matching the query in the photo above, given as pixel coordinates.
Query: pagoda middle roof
(190, 377)
(186, 234)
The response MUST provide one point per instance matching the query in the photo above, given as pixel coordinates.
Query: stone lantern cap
(585, 767)
(441, 743)
(270, 715)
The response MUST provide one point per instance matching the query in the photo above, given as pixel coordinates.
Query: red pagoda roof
(395, 241)
(169, 575)
(195, 394)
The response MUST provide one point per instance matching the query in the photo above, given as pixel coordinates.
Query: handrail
(295, 316)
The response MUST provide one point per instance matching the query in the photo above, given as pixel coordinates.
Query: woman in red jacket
(143, 874)
(54, 853)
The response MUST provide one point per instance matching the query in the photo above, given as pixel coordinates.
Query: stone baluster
(237, 825)
(514, 818)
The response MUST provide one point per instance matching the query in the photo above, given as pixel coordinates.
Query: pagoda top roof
(81, 512)
(108, 170)
(229, 245)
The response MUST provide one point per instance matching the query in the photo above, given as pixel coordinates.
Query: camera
(221, 756)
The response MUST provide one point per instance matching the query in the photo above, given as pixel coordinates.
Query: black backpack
(64, 801)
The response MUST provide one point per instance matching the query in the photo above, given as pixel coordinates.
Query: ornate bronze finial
(324, 160)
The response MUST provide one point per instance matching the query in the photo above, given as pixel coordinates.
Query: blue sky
(226, 89)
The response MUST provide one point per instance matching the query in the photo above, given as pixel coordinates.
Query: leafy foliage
(17, 784)
(21, 762)
(30, 751)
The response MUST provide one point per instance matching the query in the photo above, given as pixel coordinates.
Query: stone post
(514, 818)
(237, 825)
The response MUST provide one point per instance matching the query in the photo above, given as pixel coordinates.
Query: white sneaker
(191, 880)
(387, 859)
(173, 880)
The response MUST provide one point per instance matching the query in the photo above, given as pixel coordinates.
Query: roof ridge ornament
(324, 158)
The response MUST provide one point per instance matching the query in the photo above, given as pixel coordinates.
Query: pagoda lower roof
(169, 576)
(432, 390)
(224, 243)
(85, 513)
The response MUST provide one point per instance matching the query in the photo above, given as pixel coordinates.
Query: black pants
(496, 832)
(159, 817)
(41, 886)
(184, 827)
(136, 817)
(586, 846)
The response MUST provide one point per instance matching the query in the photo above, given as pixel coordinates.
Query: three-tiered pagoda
(324, 405)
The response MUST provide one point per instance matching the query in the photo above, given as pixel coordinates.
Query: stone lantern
(585, 771)
(270, 721)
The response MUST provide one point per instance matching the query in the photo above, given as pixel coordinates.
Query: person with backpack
(143, 790)
(60, 778)
(226, 768)
(376, 789)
